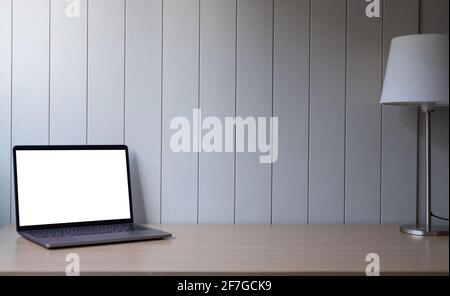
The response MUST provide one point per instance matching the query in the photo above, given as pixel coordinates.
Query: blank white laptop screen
(65, 186)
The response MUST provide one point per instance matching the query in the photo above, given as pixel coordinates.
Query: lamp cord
(438, 217)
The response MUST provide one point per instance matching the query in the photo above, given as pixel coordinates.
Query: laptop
(70, 196)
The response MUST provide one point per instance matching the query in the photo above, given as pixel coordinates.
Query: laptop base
(53, 242)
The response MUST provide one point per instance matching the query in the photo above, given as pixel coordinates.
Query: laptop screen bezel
(70, 147)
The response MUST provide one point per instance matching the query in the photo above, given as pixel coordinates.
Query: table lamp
(417, 74)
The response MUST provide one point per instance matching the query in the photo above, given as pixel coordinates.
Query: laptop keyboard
(83, 230)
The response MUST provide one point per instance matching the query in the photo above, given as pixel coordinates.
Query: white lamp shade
(417, 70)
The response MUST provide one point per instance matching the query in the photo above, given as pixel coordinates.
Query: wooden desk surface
(242, 250)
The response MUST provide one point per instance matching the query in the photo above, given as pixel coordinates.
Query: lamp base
(422, 230)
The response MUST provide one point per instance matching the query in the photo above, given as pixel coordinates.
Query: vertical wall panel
(143, 105)
(421, 170)
(440, 163)
(327, 111)
(363, 115)
(254, 98)
(217, 98)
(290, 103)
(180, 97)
(434, 19)
(67, 74)
(399, 127)
(105, 71)
(30, 72)
(5, 109)
(30, 75)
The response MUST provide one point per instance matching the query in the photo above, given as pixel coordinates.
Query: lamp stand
(426, 229)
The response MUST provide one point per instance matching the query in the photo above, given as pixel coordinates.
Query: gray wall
(435, 19)
(121, 71)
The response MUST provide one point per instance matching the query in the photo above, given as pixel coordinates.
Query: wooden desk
(241, 250)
